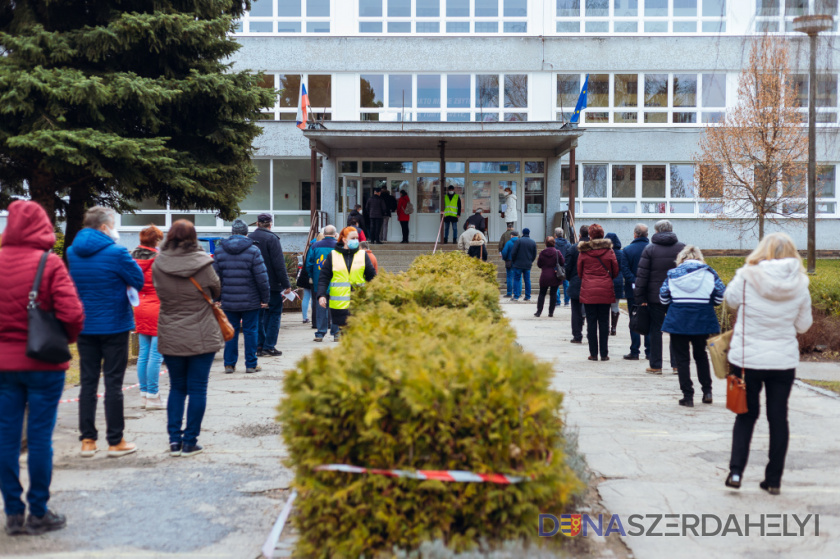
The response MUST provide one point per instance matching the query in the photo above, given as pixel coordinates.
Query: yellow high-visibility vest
(343, 279)
(450, 206)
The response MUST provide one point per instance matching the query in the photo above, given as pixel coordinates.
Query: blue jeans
(566, 297)
(250, 324)
(269, 327)
(41, 390)
(188, 376)
(306, 303)
(322, 321)
(520, 275)
(509, 280)
(446, 226)
(148, 364)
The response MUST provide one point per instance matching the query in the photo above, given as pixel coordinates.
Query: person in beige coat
(188, 333)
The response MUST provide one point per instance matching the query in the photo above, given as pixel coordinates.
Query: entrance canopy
(347, 139)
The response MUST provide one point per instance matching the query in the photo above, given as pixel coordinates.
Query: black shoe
(271, 353)
(632, 357)
(260, 353)
(769, 489)
(687, 402)
(707, 397)
(175, 449)
(550, 315)
(733, 480)
(605, 358)
(576, 341)
(47, 523)
(15, 524)
(537, 314)
(191, 449)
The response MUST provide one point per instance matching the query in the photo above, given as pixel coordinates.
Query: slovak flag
(303, 108)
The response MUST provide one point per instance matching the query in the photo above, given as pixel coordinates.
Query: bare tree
(750, 166)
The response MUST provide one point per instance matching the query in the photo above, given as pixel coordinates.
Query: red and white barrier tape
(457, 476)
(102, 394)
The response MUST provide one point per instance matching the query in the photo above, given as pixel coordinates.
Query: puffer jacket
(146, 313)
(657, 258)
(27, 236)
(102, 271)
(571, 269)
(597, 267)
(187, 325)
(774, 306)
(549, 258)
(272, 253)
(511, 213)
(692, 290)
(242, 274)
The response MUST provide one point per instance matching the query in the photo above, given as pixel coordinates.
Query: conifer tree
(113, 101)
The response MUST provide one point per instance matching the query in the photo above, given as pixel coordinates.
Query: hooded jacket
(563, 245)
(693, 289)
(27, 236)
(242, 274)
(624, 274)
(102, 270)
(572, 270)
(508, 250)
(272, 253)
(597, 267)
(317, 256)
(477, 250)
(774, 306)
(186, 325)
(146, 314)
(547, 260)
(510, 209)
(657, 258)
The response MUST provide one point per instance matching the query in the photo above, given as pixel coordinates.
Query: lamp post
(812, 26)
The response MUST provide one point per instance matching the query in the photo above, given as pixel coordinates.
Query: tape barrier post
(271, 542)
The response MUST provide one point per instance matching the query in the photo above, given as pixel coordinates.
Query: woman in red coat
(402, 216)
(597, 267)
(25, 381)
(146, 321)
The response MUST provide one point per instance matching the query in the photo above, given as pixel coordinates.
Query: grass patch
(833, 385)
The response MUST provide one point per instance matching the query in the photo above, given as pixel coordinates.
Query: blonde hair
(477, 237)
(319, 237)
(774, 246)
(690, 252)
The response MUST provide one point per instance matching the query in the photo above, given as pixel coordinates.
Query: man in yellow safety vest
(451, 213)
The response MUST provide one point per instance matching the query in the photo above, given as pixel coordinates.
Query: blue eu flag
(581, 103)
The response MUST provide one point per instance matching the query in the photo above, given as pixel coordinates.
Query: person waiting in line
(245, 290)
(522, 257)
(691, 291)
(26, 382)
(189, 335)
(268, 327)
(390, 208)
(478, 248)
(771, 297)
(597, 267)
(346, 267)
(618, 283)
(451, 214)
(357, 214)
(506, 256)
(375, 210)
(574, 287)
(477, 220)
(403, 216)
(467, 237)
(356, 223)
(548, 260)
(632, 254)
(317, 256)
(365, 246)
(510, 215)
(146, 321)
(561, 244)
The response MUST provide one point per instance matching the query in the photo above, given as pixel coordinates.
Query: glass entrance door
(488, 195)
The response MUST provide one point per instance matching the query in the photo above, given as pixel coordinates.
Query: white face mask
(114, 234)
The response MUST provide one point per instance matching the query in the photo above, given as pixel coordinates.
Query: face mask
(451, 192)
(353, 244)
(115, 236)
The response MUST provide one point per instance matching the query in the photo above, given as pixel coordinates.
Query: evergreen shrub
(422, 383)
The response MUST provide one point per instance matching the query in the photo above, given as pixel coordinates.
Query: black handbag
(640, 320)
(47, 339)
(559, 269)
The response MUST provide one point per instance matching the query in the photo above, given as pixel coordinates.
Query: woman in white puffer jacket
(771, 296)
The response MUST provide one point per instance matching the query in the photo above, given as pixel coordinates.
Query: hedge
(423, 382)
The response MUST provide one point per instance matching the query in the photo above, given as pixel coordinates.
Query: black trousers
(778, 384)
(404, 226)
(657, 318)
(108, 354)
(551, 302)
(598, 329)
(375, 230)
(682, 353)
(577, 319)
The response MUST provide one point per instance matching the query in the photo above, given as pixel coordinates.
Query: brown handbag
(221, 317)
(736, 388)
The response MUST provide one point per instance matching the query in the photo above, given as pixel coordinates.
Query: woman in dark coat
(624, 275)
(546, 261)
(477, 248)
(597, 268)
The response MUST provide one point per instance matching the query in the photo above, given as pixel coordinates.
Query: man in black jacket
(375, 211)
(278, 282)
(574, 287)
(390, 204)
(522, 258)
(657, 259)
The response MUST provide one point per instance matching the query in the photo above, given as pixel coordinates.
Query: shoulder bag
(46, 339)
(221, 317)
(640, 320)
(736, 387)
(409, 209)
(559, 269)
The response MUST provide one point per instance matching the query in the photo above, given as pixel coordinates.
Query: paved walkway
(656, 457)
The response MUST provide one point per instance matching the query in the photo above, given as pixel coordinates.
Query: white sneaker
(155, 403)
(143, 397)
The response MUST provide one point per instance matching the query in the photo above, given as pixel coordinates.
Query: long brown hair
(181, 234)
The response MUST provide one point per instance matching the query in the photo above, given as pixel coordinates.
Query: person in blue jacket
(624, 275)
(103, 271)
(315, 259)
(561, 244)
(506, 252)
(632, 255)
(245, 290)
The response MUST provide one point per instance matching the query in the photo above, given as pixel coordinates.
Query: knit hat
(239, 227)
(526, 232)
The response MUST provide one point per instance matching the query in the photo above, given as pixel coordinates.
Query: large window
(444, 97)
(443, 16)
(318, 87)
(827, 96)
(601, 17)
(776, 16)
(653, 99)
(287, 16)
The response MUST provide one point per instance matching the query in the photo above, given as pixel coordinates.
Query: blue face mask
(353, 244)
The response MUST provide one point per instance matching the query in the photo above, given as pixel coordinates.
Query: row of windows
(774, 16)
(633, 16)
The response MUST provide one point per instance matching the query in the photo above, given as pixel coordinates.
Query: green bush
(423, 382)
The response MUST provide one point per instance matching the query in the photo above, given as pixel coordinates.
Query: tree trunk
(760, 226)
(79, 197)
(42, 191)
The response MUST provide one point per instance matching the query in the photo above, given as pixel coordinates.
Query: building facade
(659, 72)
